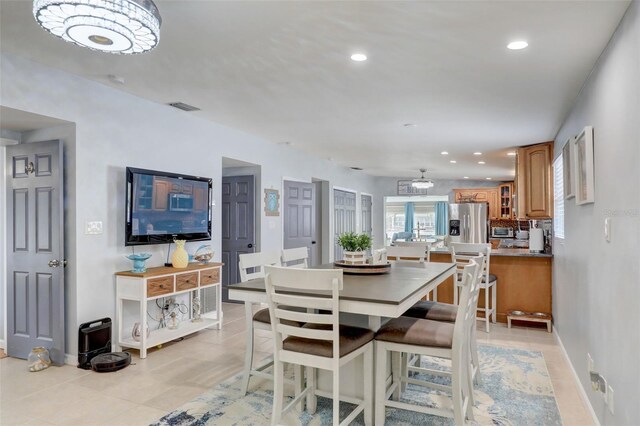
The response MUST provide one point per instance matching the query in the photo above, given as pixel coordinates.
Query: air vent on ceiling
(183, 106)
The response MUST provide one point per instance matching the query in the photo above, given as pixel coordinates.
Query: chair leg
(455, 293)
(336, 397)
(474, 356)
(457, 388)
(298, 383)
(494, 314)
(486, 308)
(468, 383)
(278, 392)
(248, 351)
(368, 386)
(312, 399)
(381, 380)
(396, 371)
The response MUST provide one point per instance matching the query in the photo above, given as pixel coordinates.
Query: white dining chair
(251, 266)
(296, 257)
(432, 338)
(489, 281)
(322, 343)
(407, 253)
(425, 246)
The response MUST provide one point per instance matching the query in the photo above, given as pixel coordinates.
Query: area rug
(515, 390)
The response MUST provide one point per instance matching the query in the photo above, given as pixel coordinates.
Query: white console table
(164, 282)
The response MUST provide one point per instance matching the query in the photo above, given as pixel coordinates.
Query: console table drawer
(159, 286)
(186, 281)
(210, 276)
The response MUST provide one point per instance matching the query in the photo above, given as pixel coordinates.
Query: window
(424, 216)
(558, 198)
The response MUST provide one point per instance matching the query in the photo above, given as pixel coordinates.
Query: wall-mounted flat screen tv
(162, 207)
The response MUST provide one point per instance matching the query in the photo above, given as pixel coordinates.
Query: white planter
(355, 257)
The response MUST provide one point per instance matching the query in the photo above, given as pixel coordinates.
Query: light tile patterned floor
(180, 371)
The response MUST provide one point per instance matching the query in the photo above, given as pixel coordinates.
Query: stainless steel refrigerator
(468, 223)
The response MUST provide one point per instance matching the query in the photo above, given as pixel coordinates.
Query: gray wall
(114, 130)
(596, 287)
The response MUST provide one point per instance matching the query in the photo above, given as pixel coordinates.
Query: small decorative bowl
(138, 260)
(203, 254)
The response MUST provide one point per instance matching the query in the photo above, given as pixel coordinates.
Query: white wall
(115, 130)
(596, 287)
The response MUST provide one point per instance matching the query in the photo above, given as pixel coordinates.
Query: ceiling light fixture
(488, 178)
(114, 26)
(453, 161)
(422, 182)
(517, 45)
(511, 154)
(444, 153)
(465, 177)
(477, 153)
(480, 162)
(358, 57)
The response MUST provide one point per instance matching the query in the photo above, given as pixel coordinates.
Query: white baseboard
(581, 390)
(70, 360)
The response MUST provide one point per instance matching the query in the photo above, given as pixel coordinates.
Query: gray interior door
(300, 228)
(344, 205)
(238, 227)
(366, 205)
(35, 249)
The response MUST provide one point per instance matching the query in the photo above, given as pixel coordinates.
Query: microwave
(180, 202)
(501, 232)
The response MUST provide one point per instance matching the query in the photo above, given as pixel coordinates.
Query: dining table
(373, 298)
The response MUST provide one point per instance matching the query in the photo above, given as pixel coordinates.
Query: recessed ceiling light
(358, 57)
(444, 153)
(488, 178)
(453, 161)
(466, 177)
(511, 154)
(477, 153)
(517, 45)
(480, 162)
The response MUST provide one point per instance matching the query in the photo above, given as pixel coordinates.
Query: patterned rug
(515, 390)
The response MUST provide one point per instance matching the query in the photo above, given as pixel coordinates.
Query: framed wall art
(405, 187)
(568, 169)
(584, 166)
(271, 202)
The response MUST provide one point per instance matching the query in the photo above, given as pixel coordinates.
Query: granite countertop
(502, 252)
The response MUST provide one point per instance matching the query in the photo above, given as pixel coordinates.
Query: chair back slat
(407, 253)
(296, 257)
(465, 318)
(471, 249)
(425, 246)
(256, 261)
(281, 281)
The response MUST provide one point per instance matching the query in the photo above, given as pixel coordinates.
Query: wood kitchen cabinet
(505, 192)
(480, 195)
(534, 185)
(160, 194)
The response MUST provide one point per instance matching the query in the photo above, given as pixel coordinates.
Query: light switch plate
(607, 229)
(93, 228)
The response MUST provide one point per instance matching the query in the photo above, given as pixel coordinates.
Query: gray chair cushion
(433, 311)
(492, 278)
(351, 338)
(419, 332)
(263, 316)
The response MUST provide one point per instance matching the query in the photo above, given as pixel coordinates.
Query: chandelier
(114, 26)
(422, 182)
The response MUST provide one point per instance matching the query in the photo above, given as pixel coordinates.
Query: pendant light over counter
(114, 26)
(422, 182)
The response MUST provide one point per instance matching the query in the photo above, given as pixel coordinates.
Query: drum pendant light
(114, 26)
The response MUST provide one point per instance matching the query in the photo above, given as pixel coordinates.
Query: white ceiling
(21, 121)
(281, 70)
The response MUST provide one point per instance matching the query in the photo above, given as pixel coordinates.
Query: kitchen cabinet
(201, 198)
(480, 195)
(160, 194)
(534, 185)
(505, 193)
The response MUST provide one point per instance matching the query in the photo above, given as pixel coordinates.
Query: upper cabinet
(480, 195)
(505, 192)
(534, 186)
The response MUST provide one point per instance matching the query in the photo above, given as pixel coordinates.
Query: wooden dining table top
(403, 281)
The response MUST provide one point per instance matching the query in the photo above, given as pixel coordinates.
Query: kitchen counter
(502, 252)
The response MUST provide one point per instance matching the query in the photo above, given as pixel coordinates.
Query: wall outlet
(93, 228)
(610, 399)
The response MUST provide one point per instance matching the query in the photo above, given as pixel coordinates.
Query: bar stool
(321, 343)
(489, 281)
(432, 338)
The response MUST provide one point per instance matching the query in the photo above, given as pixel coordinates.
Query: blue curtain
(408, 217)
(441, 218)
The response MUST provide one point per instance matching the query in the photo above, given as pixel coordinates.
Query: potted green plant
(355, 247)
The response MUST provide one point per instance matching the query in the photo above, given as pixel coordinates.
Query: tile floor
(180, 371)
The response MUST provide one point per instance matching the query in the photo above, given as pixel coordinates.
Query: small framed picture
(405, 187)
(568, 169)
(584, 166)
(271, 202)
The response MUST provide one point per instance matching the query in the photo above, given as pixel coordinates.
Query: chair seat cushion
(492, 278)
(416, 331)
(433, 311)
(263, 316)
(351, 338)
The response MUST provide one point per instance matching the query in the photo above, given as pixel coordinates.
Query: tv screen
(162, 207)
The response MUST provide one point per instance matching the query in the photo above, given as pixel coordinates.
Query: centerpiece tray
(363, 268)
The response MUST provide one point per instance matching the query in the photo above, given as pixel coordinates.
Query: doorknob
(250, 245)
(55, 263)
(313, 242)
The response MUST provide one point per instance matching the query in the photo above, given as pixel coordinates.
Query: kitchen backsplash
(545, 224)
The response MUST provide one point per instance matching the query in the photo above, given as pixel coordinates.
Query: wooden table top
(166, 270)
(392, 288)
